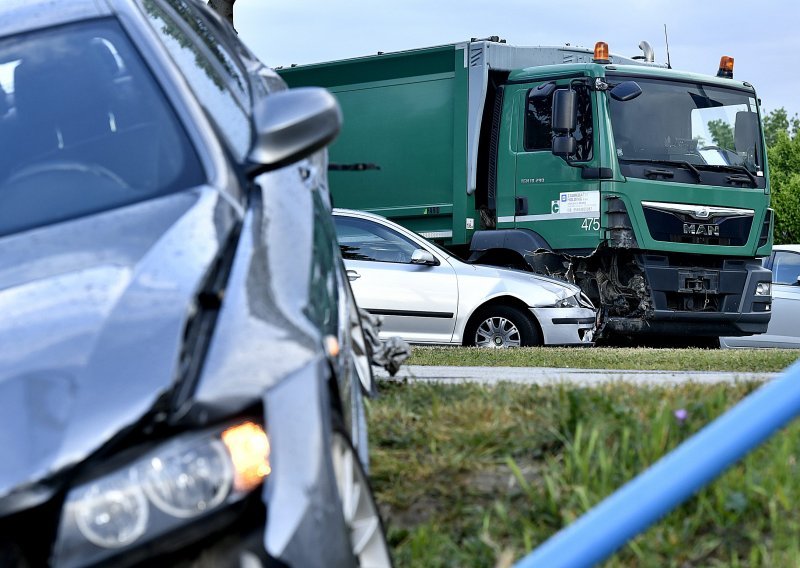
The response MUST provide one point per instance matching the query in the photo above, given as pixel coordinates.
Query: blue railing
(673, 479)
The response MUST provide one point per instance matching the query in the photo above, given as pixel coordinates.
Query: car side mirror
(291, 125)
(421, 256)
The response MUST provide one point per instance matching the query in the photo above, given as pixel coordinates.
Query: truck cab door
(552, 197)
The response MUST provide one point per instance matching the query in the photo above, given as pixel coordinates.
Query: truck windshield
(84, 127)
(695, 126)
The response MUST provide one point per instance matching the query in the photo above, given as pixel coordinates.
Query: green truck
(646, 186)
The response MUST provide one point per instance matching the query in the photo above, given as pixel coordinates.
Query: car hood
(510, 279)
(93, 314)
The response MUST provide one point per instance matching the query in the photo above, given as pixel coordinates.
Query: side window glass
(539, 123)
(206, 82)
(786, 267)
(323, 307)
(365, 240)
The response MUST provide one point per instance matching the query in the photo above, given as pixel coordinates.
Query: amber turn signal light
(248, 447)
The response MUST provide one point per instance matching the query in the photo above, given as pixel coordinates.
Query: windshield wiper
(677, 163)
(734, 168)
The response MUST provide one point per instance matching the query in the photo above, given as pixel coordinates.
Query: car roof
(792, 248)
(18, 16)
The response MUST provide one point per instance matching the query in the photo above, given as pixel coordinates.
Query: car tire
(501, 327)
(361, 514)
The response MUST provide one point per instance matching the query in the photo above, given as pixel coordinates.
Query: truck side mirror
(565, 120)
(565, 112)
(744, 133)
(543, 91)
(626, 91)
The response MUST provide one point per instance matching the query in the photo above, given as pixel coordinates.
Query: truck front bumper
(705, 299)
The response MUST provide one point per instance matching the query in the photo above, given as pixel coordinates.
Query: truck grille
(691, 224)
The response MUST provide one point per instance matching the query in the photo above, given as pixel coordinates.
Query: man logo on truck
(701, 230)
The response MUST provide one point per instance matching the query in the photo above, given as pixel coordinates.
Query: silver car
(784, 325)
(181, 361)
(426, 295)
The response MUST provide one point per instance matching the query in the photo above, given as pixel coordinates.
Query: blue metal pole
(673, 479)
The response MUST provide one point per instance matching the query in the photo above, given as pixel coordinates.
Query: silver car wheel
(358, 506)
(497, 332)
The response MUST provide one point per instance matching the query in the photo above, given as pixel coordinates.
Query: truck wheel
(361, 515)
(500, 327)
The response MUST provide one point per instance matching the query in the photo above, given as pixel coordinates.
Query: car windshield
(83, 127)
(706, 126)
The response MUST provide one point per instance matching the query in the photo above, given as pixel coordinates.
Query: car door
(417, 302)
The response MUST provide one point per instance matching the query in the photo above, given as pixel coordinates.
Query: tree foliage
(721, 133)
(783, 149)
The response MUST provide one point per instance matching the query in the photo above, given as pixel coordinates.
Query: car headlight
(578, 300)
(570, 302)
(182, 479)
(764, 289)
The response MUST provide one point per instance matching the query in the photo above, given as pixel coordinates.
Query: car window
(786, 267)
(539, 123)
(360, 239)
(209, 84)
(85, 127)
(323, 308)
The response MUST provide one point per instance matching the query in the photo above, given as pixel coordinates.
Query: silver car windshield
(703, 125)
(84, 127)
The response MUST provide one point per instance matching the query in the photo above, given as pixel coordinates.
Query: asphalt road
(551, 376)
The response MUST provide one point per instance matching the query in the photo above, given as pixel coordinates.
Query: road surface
(551, 376)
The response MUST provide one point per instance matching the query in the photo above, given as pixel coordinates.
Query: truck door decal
(569, 205)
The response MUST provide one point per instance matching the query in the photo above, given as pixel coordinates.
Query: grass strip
(736, 360)
(477, 476)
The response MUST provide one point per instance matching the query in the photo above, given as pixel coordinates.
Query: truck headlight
(764, 289)
(184, 478)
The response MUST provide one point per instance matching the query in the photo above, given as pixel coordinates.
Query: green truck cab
(646, 186)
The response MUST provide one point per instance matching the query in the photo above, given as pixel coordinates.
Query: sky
(762, 37)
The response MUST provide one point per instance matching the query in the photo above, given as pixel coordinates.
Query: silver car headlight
(183, 479)
(569, 302)
(578, 300)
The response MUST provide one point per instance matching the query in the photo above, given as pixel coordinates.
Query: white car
(426, 295)
(784, 329)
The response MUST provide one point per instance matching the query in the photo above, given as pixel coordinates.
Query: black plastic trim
(411, 313)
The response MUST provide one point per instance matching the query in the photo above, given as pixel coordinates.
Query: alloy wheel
(360, 511)
(497, 332)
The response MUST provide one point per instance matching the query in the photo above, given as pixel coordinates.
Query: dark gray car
(181, 360)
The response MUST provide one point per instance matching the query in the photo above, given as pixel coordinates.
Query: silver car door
(418, 302)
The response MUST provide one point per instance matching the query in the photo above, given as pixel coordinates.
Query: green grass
(742, 360)
(474, 476)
